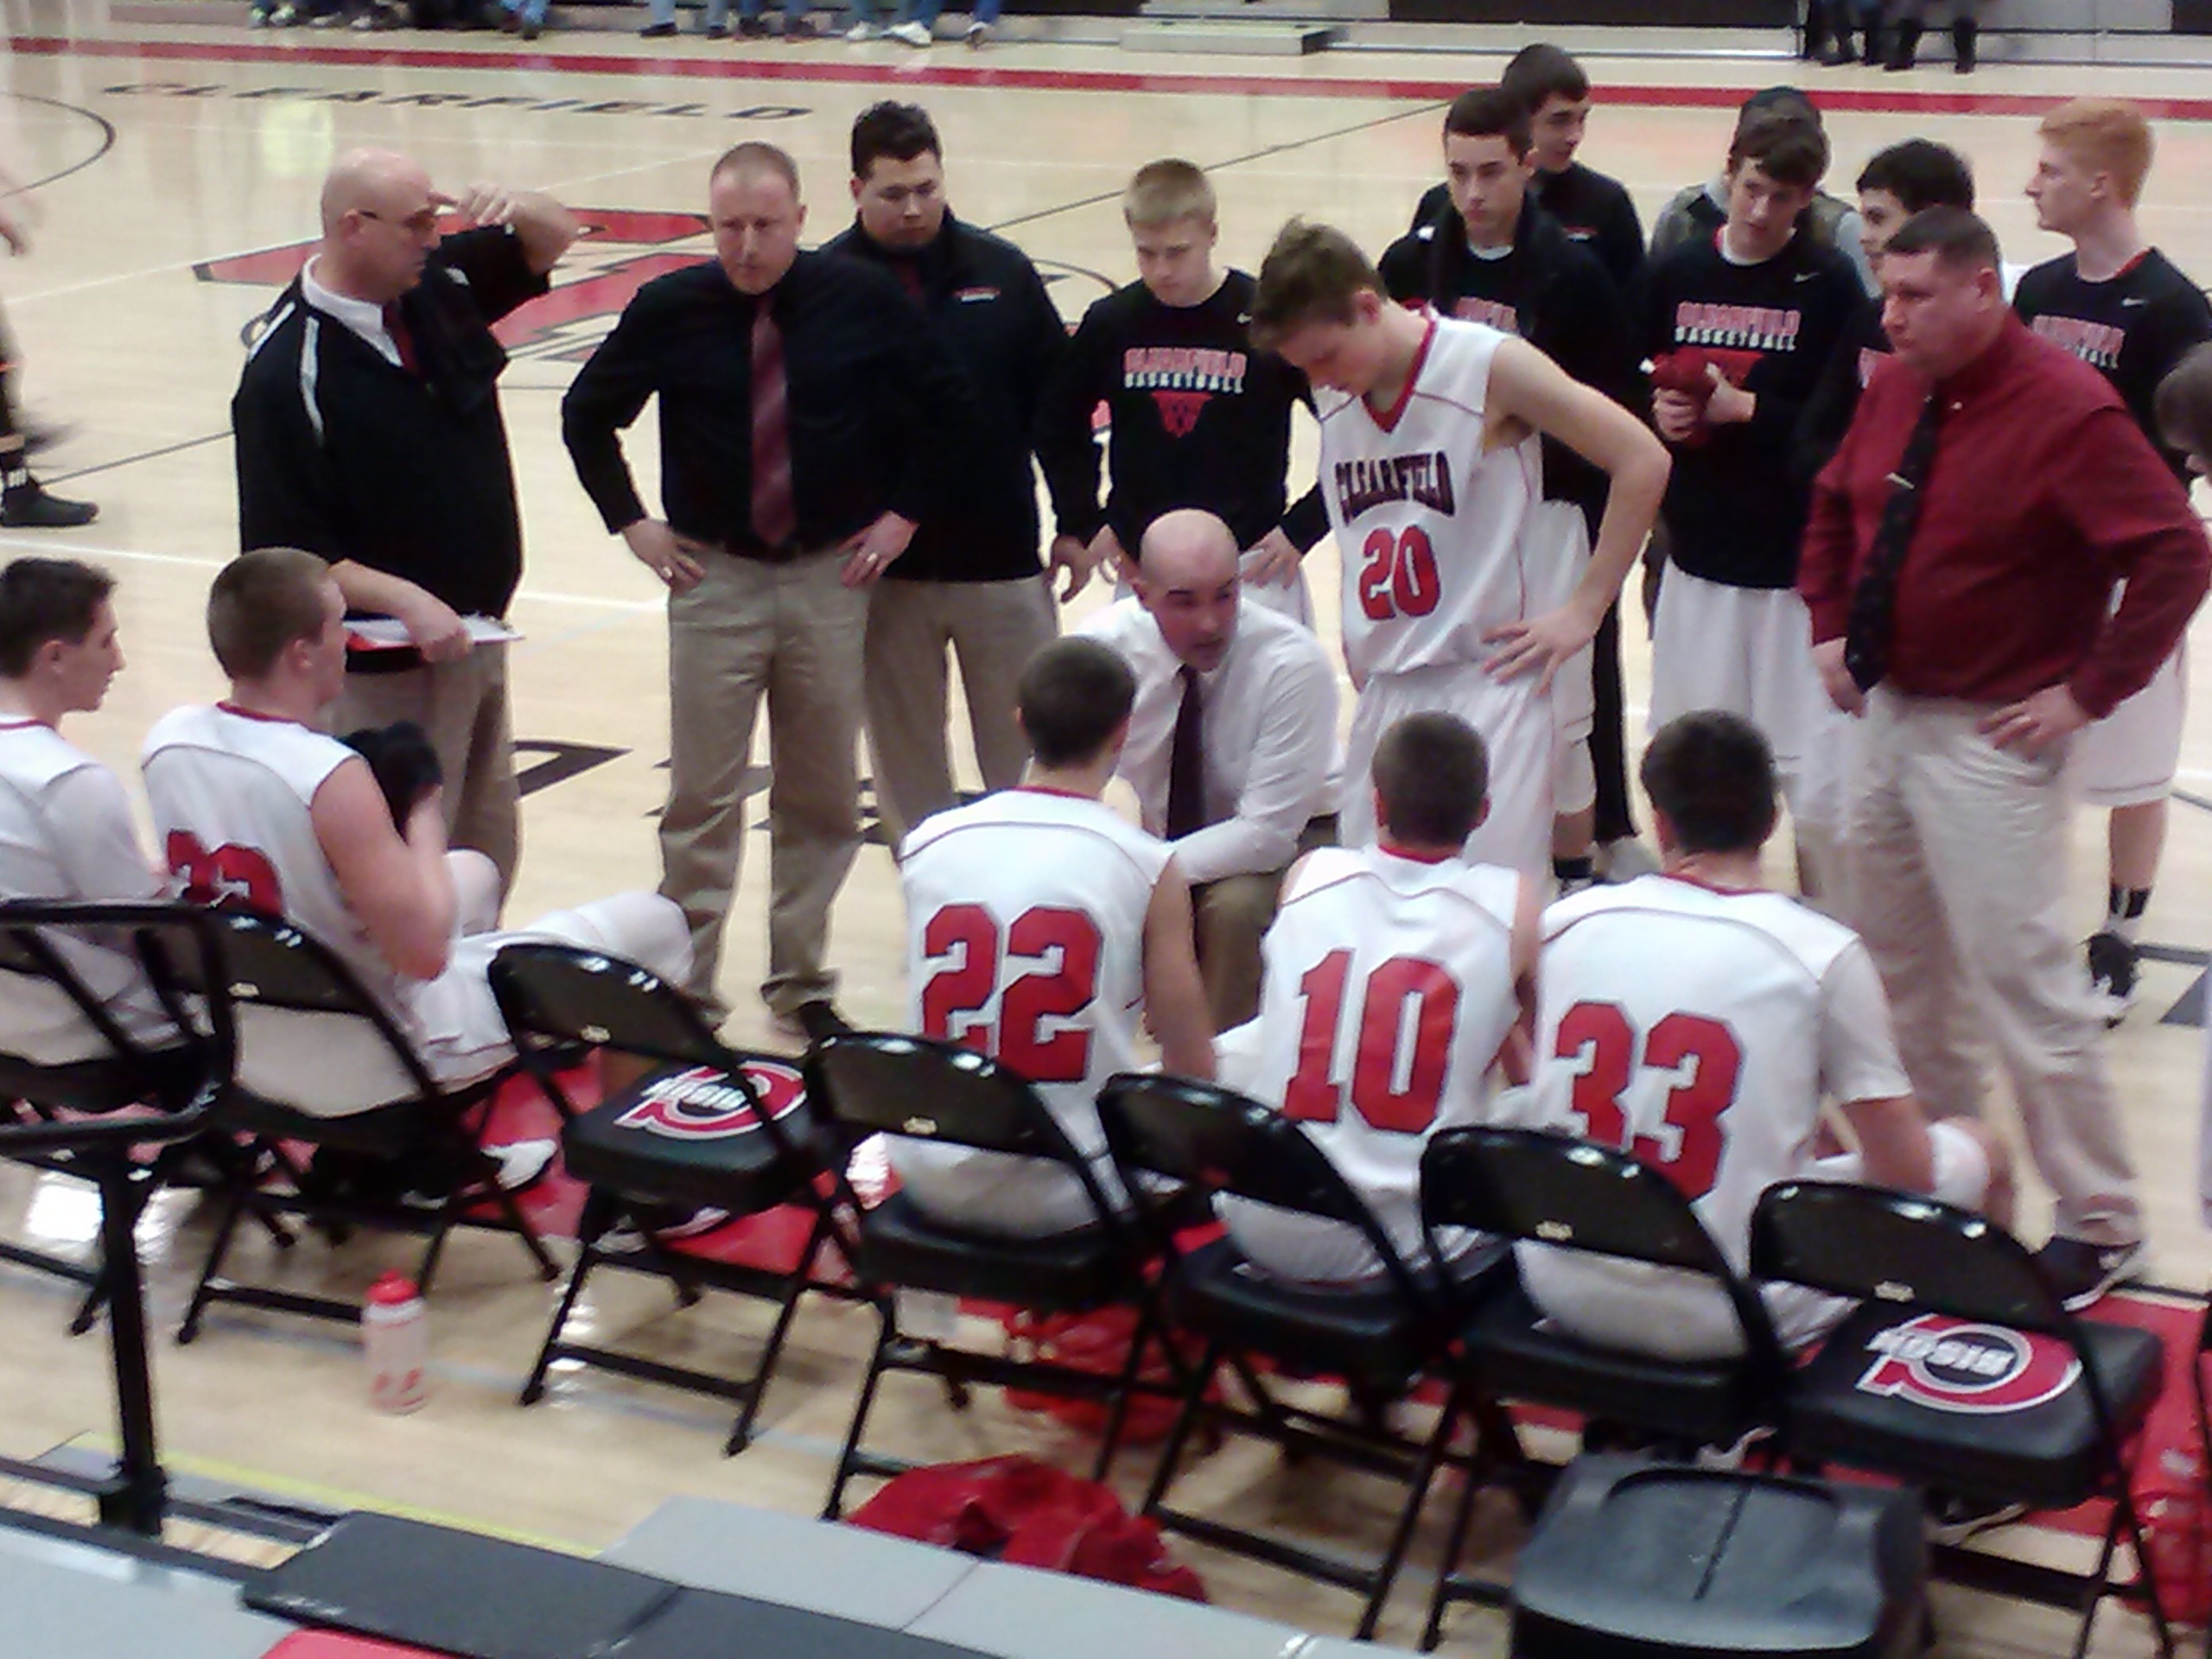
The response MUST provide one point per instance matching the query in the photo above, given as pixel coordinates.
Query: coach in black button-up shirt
(877, 423)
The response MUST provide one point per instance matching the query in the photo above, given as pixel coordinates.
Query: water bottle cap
(392, 1290)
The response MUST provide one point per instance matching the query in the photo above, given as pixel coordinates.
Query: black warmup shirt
(345, 454)
(879, 418)
(1200, 420)
(1735, 511)
(2132, 328)
(1547, 291)
(1007, 337)
(1835, 398)
(1593, 210)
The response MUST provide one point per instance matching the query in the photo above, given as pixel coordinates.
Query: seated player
(1395, 975)
(65, 831)
(255, 806)
(1039, 925)
(1707, 1025)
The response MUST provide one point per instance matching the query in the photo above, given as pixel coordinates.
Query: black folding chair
(1578, 1195)
(693, 1132)
(1963, 1371)
(177, 948)
(407, 1121)
(115, 1072)
(872, 1083)
(1381, 1340)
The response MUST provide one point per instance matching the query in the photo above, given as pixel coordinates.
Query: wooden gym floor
(178, 164)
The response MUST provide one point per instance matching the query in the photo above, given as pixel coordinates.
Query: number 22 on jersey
(1401, 1054)
(1703, 1056)
(1065, 946)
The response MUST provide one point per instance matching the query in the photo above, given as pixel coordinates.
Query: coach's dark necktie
(403, 337)
(1186, 763)
(1874, 600)
(775, 516)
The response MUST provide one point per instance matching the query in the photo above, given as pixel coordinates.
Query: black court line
(143, 454)
(2196, 801)
(105, 126)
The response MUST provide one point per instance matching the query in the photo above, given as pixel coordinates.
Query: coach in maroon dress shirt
(1960, 564)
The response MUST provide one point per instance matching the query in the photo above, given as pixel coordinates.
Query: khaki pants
(995, 628)
(794, 632)
(1230, 917)
(1957, 854)
(463, 708)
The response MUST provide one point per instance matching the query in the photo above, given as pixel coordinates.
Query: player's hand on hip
(1540, 646)
(12, 233)
(871, 551)
(670, 556)
(1273, 558)
(436, 629)
(1835, 678)
(2035, 725)
(1070, 557)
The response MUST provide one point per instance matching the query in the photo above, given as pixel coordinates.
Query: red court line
(1905, 102)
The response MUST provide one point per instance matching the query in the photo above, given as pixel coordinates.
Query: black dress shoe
(656, 31)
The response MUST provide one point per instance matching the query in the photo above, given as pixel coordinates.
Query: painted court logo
(698, 1105)
(621, 250)
(1958, 1365)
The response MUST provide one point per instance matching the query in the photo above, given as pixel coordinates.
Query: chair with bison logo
(708, 1136)
(1963, 1371)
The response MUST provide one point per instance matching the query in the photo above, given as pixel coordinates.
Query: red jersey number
(1396, 1085)
(230, 875)
(1397, 574)
(1065, 945)
(1702, 1054)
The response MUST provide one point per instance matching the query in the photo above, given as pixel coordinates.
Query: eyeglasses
(415, 224)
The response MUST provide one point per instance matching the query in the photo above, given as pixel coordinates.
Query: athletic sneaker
(801, 28)
(657, 32)
(1954, 1518)
(863, 30)
(2111, 974)
(521, 1163)
(911, 31)
(2081, 1272)
(752, 28)
(977, 35)
(668, 1222)
(28, 505)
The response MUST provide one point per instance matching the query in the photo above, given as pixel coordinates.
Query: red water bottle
(396, 1342)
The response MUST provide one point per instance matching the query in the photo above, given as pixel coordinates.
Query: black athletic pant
(1608, 740)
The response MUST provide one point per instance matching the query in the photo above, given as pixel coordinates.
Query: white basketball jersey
(1388, 992)
(1429, 528)
(1025, 939)
(1696, 1028)
(48, 849)
(232, 794)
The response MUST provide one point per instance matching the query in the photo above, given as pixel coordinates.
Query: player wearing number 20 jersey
(1441, 541)
(1025, 938)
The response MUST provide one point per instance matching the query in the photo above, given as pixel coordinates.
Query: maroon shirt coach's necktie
(1872, 617)
(403, 337)
(775, 516)
(1186, 763)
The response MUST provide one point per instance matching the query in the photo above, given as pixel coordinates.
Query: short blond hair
(2105, 133)
(1163, 192)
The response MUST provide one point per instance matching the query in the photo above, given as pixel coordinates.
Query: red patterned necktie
(775, 517)
(403, 337)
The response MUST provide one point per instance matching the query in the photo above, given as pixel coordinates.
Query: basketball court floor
(176, 166)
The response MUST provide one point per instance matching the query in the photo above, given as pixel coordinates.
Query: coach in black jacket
(970, 578)
(369, 434)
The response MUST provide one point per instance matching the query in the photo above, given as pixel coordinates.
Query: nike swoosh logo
(1243, 318)
(1806, 277)
(2134, 299)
